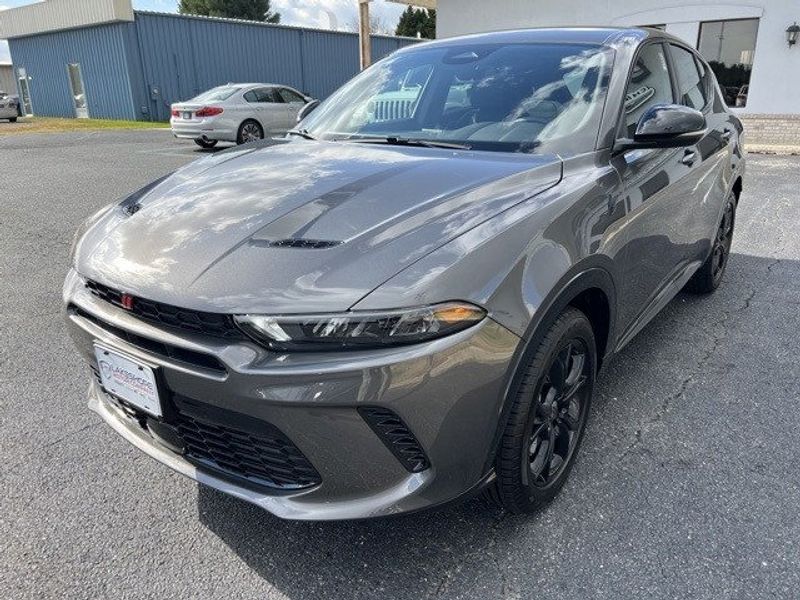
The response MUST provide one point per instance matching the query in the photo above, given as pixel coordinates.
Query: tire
(546, 426)
(708, 277)
(12, 120)
(249, 131)
(205, 143)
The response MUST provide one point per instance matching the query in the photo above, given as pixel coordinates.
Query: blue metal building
(134, 65)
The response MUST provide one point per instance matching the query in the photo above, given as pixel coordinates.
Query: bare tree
(376, 25)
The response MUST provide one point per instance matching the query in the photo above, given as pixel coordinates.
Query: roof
(265, 24)
(55, 15)
(599, 36)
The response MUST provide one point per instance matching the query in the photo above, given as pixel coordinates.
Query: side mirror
(307, 110)
(666, 126)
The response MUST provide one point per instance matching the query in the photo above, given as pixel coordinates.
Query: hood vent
(304, 244)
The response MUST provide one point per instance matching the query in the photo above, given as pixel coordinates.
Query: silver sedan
(237, 112)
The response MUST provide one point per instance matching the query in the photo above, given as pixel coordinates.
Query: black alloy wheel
(708, 277)
(722, 244)
(560, 413)
(548, 415)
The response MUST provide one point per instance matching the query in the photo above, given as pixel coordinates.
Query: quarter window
(649, 85)
(728, 47)
(691, 87)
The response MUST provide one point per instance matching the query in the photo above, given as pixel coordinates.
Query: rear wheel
(12, 120)
(708, 277)
(205, 143)
(249, 131)
(548, 416)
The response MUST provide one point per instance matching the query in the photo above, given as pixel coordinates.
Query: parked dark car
(401, 306)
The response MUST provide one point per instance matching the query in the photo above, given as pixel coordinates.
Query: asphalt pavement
(687, 486)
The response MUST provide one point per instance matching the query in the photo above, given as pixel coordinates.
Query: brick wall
(771, 130)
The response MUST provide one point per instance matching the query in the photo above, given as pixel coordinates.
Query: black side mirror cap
(666, 126)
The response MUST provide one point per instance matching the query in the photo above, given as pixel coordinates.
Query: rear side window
(649, 85)
(691, 85)
(217, 94)
(251, 96)
(272, 95)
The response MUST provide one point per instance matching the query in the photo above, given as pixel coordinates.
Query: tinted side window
(691, 86)
(251, 96)
(273, 96)
(291, 96)
(263, 95)
(649, 85)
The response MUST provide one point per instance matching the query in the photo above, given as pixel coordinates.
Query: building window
(728, 46)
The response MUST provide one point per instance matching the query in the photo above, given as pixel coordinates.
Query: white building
(744, 40)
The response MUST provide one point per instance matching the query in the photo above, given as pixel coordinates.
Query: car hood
(300, 226)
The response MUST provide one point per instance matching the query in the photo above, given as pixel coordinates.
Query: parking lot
(688, 484)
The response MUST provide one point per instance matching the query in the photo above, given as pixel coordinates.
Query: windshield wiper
(399, 141)
(303, 133)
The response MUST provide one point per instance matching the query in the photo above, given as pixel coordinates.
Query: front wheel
(249, 131)
(548, 416)
(708, 277)
(205, 143)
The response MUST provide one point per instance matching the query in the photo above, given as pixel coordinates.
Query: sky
(324, 14)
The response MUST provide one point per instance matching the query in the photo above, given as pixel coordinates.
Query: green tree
(250, 10)
(415, 21)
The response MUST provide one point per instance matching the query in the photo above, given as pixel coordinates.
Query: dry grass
(59, 125)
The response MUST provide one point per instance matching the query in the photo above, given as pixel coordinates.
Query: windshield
(499, 97)
(217, 94)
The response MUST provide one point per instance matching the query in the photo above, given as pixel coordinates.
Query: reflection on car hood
(301, 226)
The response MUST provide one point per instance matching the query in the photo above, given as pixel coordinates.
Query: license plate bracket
(129, 379)
(187, 115)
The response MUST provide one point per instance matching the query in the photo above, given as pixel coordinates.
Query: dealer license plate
(128, 379)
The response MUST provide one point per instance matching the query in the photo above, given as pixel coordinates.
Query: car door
(657, 194)
(294, 102)
(707, 184)
(271, 111)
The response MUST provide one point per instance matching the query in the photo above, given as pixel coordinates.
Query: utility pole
(363, 33)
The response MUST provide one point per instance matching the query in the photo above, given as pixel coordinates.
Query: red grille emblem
(126, 301)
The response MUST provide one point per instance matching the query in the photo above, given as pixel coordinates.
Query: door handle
(727, 134)
(688, 157)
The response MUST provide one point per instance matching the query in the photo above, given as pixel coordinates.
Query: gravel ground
(687, 485)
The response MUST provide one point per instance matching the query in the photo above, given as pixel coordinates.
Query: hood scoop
(299, 243)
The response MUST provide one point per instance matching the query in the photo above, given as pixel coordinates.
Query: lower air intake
(397, 437)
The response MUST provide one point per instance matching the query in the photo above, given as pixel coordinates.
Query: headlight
(358, 330)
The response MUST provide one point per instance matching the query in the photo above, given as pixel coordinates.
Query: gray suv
(390, 310)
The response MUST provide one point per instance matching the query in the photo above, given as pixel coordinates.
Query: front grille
(194, 321)
(266, 457)
(228, 444)
(190, 357)
(396, 436)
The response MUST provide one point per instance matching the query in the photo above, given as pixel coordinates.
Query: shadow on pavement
(422, 552)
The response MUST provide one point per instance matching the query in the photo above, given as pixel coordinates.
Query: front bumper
(448, 392)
